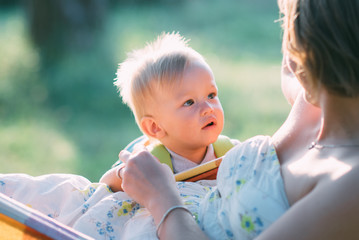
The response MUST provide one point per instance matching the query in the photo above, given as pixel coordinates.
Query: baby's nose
(206, 108)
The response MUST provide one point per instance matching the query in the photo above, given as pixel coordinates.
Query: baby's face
(191, 113)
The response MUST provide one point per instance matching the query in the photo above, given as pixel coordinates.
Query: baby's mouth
(208, 125)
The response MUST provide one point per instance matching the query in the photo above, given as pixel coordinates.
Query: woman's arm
(152, 184)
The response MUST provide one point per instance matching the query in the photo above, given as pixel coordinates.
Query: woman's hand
(149, 182)
(152, 185)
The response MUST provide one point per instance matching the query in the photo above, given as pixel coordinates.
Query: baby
(173, 95)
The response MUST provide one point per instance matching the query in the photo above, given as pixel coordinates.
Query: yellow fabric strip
(198, 169)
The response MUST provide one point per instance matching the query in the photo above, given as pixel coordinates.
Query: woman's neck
(298, 131)
(340, 120)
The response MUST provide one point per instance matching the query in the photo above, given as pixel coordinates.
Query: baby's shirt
(181, 164)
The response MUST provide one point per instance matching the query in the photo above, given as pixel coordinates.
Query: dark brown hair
(323, 37)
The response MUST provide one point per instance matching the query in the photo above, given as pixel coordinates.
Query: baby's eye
(188, 102)
(212, 95)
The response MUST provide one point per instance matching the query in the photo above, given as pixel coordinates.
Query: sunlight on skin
(342, 169)
(333, 165)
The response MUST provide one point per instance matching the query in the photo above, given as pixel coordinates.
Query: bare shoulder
(329, 211)
(335, 202)
(343, 182)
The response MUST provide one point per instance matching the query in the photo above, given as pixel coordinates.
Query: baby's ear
(150, 127)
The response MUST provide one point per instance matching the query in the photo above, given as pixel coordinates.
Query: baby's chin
(212, 140)
(206, 141)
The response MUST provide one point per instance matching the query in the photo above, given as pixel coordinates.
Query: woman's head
(322, 36)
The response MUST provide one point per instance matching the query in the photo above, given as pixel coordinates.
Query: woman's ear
(151, 128)
(289, 82)
(312, 89)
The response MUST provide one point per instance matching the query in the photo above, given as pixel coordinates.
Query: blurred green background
(59, 110)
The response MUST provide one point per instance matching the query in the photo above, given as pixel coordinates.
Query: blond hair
(157, 66)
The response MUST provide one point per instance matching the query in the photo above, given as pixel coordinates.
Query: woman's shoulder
(343, 180)
(336, 196)
(340, 171)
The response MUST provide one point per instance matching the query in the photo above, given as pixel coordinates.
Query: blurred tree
(59, 26)
(9, 3)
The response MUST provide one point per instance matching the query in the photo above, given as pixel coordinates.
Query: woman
(317, 147)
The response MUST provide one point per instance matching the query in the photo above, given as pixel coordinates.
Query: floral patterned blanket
(90, 208)
(248, 197)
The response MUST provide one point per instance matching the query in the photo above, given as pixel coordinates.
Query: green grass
(69, 118)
